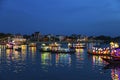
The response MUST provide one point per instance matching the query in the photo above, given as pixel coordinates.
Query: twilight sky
(89, 17)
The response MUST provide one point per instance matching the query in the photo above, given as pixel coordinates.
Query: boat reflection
(115, 74)
(8, 51)
(32, 49)
(45, 61)
(98, 61)
(63, 59)
(79, 50)
(12, 61)
(115, 71)
(79, 58)
(45, 58)
(13, 55)
(59, 59)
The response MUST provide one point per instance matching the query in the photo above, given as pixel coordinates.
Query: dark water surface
(31, 64)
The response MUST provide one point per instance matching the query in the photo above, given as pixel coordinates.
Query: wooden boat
(98, 53)
(115, 57)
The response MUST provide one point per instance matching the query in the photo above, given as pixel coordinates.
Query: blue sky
(89, 17)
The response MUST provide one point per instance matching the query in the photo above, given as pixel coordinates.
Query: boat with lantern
(99, 51)
(77, 45)
(61, 50)
(55, 48)
(115, 57)
(104, 51)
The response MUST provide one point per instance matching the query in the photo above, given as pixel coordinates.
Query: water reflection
(12, 60)
(98, 61)
(32, 49)
(31, 54)
(46, 58)
(30, 60)
(15, 55)
(115, 71)
(63, 59)
(60, 59)
(45, 61)
(79, 58)
(115, 74)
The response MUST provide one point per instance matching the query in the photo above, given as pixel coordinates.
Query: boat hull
(112, 61)
(58, 51)
(99, 54)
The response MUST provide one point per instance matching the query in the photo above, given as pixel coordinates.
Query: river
(30, 64)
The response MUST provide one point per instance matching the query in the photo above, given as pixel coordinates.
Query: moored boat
(55, 48)
(77, 45)
(32, 44)
(100, 53)
(115, 57)
(61, 50)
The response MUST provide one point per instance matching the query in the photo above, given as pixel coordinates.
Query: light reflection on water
(31, 60)
(63, 60)
(114, 71)
(79, 58)
(98, 61)
(46, 58)
(115, 74)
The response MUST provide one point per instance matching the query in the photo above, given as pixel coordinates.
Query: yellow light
(43, 44)
(69, 44)
(111, 43)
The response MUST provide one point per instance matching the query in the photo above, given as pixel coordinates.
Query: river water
(30, 64)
